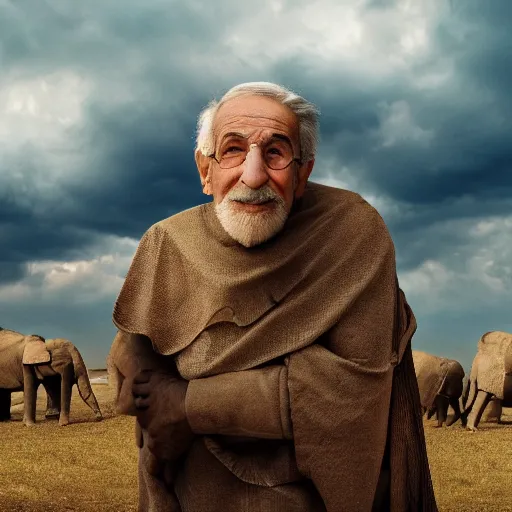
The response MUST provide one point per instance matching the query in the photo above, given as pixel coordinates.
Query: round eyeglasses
(277, 154)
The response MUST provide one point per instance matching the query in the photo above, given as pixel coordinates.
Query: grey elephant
(27, 361)
(440, 382)
(490, 377)
(462, 404)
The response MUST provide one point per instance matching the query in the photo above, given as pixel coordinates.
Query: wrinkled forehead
(255, 114)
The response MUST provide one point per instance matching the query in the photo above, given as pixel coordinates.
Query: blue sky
(99, 102)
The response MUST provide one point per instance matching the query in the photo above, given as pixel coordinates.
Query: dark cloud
(142, 175)
(11, 271)
(56, 239)
(438, 154)
(91, 36)
(463, 146)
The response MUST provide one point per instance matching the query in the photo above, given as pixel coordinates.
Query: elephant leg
(454, 402)
(93, 404)
(462, 407)
(482, 399)
(67, 381)
(442, 404)
(507, 393)
(5, 404)
(431, 412)
(499, 411)
(472, 390)
(52, 387)
(464, 397)
(30, 385)
(500, 420)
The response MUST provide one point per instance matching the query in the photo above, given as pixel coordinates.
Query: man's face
(251, 199)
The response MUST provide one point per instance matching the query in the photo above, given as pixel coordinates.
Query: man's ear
(302, 177)
(203, 166)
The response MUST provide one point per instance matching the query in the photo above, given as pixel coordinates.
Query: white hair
(307, 115)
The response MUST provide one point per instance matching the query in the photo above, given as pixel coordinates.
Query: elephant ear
(35, 351)
(430, 373)
(492, 349)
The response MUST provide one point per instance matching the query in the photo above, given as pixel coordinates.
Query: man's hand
(160, 404)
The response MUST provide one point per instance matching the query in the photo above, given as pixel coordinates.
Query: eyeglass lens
(277, 153)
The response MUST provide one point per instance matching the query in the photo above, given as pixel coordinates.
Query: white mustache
(251, 196)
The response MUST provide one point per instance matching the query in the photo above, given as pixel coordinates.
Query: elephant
(440, 382)
(462, 404)
(27, 361)
(490, 377)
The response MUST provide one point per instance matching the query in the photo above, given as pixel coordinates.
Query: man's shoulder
(336, 196)
(346, 204)
(177, 222)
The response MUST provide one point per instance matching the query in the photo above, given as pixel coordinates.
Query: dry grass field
(471, 471)
(91, 466)
(85, 466)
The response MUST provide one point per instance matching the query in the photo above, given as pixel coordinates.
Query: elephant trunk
(82, 381)
(465, 393)
(471, 397)
(454, 402)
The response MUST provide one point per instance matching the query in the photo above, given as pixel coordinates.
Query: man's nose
(254, 173)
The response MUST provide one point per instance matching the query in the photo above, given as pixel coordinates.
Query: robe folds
(297, 352)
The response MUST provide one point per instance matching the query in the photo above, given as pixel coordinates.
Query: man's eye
(232, 149)
(274, 151)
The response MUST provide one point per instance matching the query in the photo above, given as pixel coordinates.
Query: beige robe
(298, 348)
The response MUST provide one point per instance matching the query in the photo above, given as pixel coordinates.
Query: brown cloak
(322, 298)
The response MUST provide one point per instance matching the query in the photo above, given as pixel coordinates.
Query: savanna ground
(92, 466)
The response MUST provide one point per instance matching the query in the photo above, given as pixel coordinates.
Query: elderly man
(264, 343)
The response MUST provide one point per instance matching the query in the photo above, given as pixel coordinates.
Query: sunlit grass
(471, 471)
(85, 466)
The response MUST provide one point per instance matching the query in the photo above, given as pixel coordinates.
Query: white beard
(249, 228)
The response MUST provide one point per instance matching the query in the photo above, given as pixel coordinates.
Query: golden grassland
(87, 465)
(92, 466)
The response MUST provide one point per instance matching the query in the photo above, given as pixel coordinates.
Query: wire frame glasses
(277, 154)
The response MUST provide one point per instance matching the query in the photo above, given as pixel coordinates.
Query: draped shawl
(322, 294)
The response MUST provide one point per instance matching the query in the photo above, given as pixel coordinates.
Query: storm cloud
(99, 105)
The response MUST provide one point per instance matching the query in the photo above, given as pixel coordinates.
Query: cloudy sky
(98, 105)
